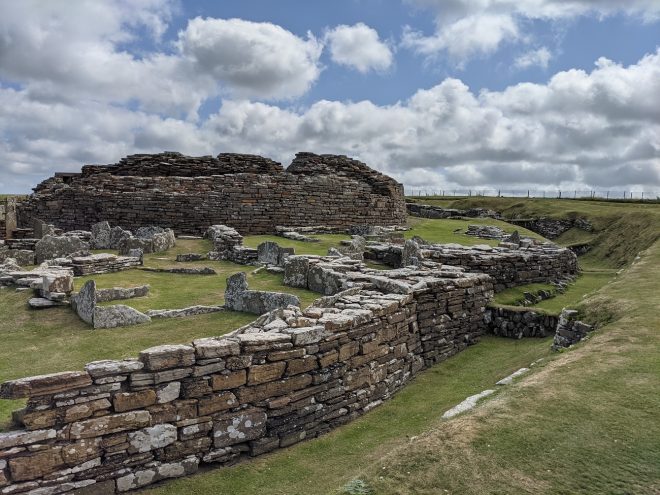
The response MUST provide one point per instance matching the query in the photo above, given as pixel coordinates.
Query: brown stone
(85, 410)
(216, 403)
(110, 424)
(263, 373)
(81, 451)
(348, 350)
(284, 355)
(328, 358)
(225, 381)
(127, 401)
(302, 365)
(163, 357)
(35, 420)
(45, 384)
(36, 465)
(273, 389)
(173, 411)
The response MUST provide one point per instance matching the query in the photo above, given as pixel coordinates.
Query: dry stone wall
(288, 376)
(188, 194)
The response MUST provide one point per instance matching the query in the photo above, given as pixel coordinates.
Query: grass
(326, 241)
(621, 229)
(453, 230)
(588, 282)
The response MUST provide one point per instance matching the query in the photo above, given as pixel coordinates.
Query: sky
(439, 94)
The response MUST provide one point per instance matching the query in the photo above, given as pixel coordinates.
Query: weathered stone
(155, 437)
(44, 384)
(101, 236)
(109, 424)
(51, 247)
(36, 465)
(84, 303)
(296, 269)
(167, 356)
(228, 380)
(168, 393)
(239, 298)
(266, 372)
(217, 403)
(98, 369)
(12, 439)
(127, 401)
(118, 315)
(81, 451)
(307, 335)
(238, 427)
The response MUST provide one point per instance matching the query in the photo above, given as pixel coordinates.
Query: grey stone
(51, 247)
(239, 298)
(184, 312)
(412, 254)
(101, 236)
(119, 293)
(42, 303)
(155, 437)
(84, 303)
(117, 235)
(467, 404)
(238, 428)
(118, 316)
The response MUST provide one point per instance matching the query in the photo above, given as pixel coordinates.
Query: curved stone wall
(250, 193)
(289, 376)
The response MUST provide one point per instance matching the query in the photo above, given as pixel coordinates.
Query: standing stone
(84, 303)
(101, 235)
(412, 254)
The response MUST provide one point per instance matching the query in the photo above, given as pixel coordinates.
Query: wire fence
(535, 193)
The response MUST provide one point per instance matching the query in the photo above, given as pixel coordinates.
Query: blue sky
(439, 93)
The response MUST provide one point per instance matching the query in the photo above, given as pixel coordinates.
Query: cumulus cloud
(534, 58)
(469, 28)
(359, 47)
(256, 59)
(580, 129)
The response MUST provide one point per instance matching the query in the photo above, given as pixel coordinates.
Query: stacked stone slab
(486, 231)
(97, 264)
(518, 324)
(289, 376)
(569, 330)
(165, 189)
(509, 266)
(228, 245)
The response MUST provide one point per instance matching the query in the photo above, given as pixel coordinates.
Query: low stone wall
(289, 376)
(518, 324)
(508, 266)
(431, 211)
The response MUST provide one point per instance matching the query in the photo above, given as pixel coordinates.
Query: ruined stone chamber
(187, 194)
(290, 375)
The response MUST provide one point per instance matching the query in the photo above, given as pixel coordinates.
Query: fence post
(560, 194)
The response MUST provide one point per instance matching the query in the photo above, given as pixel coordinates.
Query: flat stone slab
(184, 312)
(202, 270)
(42, 303)
(467, 404)
(509, 379)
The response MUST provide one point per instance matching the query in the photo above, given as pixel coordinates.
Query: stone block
(127, 401)
(167, 356)
(36, 465)
(45, 384)
(217, 403)
(109, 424)
(155, 437)
(100, 369)
(216, 347)
(13, 439)
(239, 427)
(228, 380)
(263, 373)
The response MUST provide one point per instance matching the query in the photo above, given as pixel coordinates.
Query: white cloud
(463, 39)
(534, 58)
(359, 47)
(469, 28)
(582, 128)
(256, 59)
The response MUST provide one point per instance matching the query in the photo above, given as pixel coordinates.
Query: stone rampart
(186, 194)
(289, 376)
